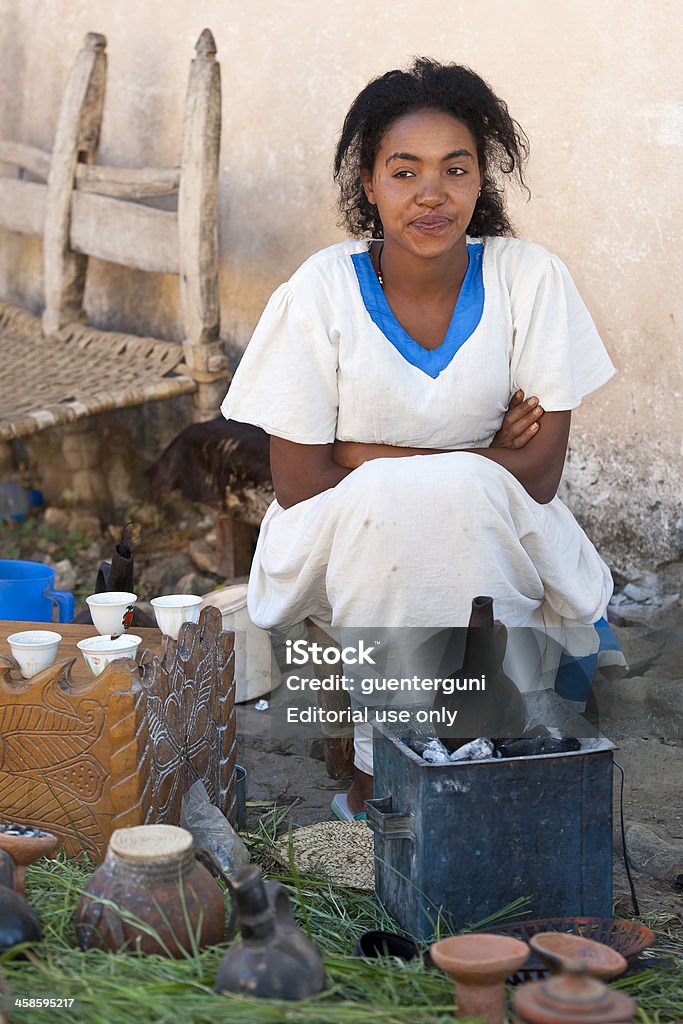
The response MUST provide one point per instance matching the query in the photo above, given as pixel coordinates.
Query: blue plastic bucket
(27, 593)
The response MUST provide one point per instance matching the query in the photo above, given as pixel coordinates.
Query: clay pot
(152, 895)
(557, 950)
(25, 849)
(571, 998)
(479, 965)
(18, 921)
(273, 959)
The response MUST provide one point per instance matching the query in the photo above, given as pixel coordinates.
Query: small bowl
(100, 651)
(371, 945)
(34, 650)
(557, 950)
(175, 609)
(25, 845)
(112, 614)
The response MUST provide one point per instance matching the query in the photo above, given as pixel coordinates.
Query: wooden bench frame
(84, 209)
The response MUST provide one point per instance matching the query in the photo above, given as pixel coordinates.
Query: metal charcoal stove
(463, 840)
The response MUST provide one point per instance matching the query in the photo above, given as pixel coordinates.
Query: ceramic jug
(273, 959)
(151, 894)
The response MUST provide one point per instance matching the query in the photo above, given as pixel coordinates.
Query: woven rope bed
(79, 372)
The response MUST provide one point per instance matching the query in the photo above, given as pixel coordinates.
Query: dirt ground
(649, 748)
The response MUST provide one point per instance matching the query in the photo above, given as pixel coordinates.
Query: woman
(383, 369)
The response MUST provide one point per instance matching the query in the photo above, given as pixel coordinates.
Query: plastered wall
(596, 86)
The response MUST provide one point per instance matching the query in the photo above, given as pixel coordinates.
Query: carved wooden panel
(190, 715)
(82, 759)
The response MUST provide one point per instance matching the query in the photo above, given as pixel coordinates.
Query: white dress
(410, 541)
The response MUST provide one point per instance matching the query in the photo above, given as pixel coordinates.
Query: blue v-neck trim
(466, 315)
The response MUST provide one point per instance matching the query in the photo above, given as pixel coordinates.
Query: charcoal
(539, 745)
(23, 830)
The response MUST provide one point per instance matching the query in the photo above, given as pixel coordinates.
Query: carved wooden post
(198, 232)
(76, 138)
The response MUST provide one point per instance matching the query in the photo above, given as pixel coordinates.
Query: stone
(652, 854)
(60, 518)
(204, 556)
(642, 595)
(664, 703)
(85, 523)
(90, 555)
(161, 574)
(147, 515)
(194, 583)
(65, 575)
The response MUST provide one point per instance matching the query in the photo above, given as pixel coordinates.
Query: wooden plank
(71, 633)
(234, 546)
(128, 233)
(126, 182)
(22, 206)
(83, 758)
(197, 199)
(32, 159)
(76, 136)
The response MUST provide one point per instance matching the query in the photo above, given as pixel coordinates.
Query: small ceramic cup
(34, 650)
(175, 609)
(112, 614)
(100, 651)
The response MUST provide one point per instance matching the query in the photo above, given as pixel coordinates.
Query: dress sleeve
(286, 381)
(557, 351)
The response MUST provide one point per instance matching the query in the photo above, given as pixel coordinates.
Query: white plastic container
(34, 650)
(254, 673)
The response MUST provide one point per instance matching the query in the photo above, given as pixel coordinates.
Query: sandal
(340, 809)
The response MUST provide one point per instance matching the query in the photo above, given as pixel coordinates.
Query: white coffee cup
(34, 650)
(100, 651)
(175, 609)
(112, 614)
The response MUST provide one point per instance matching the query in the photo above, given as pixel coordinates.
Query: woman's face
(425, 183)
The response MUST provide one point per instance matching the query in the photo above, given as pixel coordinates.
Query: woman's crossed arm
(532, 451)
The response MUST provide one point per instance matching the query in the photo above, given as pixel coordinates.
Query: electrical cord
(634, 898)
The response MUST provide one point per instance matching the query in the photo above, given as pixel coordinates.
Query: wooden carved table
(82, 755)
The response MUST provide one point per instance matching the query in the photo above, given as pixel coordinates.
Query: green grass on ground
(118, 989)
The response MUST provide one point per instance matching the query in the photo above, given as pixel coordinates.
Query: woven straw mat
(342, 851)
(79, 372)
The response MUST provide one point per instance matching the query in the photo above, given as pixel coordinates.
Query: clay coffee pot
(499, 709)
(479, 966)
(18, 921)
(273, 959)
(151, 894)
(571, 998)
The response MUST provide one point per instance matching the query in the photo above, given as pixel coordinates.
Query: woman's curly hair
(502, 146)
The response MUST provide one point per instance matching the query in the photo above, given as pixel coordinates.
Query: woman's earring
(478, 193)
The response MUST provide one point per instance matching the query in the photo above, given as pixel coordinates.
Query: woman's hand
(520, 422)
(352, 454)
